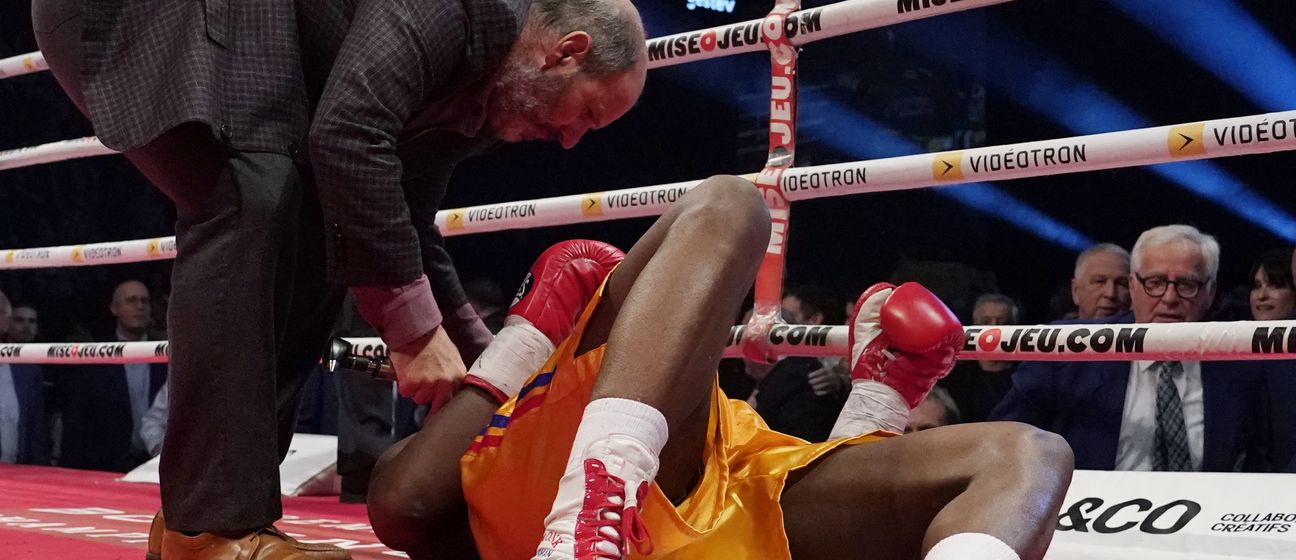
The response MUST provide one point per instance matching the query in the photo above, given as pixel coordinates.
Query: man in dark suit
(290, 136)
(1166, 415)
(24, 432)
(102, 405)
(785, 398)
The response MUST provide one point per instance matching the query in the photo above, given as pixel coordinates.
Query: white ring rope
(22, 64)
(52, 152)
(1252, 134)
(1212, 341)
(112, 252)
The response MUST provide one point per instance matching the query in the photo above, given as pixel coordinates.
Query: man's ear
(571, 48)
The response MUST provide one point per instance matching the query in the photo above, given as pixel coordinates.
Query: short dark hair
(816, 299)
(1276, 264)
(942, 396)
(617, 37)
(999, 298)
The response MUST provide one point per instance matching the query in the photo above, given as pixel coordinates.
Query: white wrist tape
(871, 406)
(517, 352)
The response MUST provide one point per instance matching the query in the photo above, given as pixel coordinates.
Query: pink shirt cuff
(401, 314)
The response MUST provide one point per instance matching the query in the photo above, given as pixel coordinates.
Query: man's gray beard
(522, 90)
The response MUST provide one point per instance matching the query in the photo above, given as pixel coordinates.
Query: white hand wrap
(871, 406)
(518, 351)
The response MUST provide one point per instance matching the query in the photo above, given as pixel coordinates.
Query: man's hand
(428, 369)
(831, 378)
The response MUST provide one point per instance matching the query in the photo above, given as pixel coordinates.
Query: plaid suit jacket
(353, 86)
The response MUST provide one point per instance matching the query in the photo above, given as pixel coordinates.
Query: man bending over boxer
(593, 425)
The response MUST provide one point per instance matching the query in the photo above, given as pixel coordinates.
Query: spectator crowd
(1140, 415)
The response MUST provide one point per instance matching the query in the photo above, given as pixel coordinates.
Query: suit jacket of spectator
(98, 430)
(33, 426)
(786, 402)
(1280, 390)
(975, 391)
(1084, 402)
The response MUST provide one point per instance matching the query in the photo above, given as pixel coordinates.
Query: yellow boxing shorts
(511, 472)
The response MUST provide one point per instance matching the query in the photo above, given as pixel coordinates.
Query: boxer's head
(578, 65)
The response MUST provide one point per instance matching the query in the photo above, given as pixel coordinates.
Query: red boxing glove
(561, 282)
(559, 286)
(904, 337)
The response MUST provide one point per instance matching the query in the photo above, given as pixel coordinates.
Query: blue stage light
(1048, 86)
(1227, 41)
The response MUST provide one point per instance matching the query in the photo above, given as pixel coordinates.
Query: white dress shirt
(10, 417)
(1137, 444)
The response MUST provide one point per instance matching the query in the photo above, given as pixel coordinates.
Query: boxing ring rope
(52, 152)
(1238, 340)
(1252, 134)
(22, 64)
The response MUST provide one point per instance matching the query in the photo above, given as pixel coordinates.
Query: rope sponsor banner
(1234, 340)
(1237, 340)
(1165, 516)
(621, 204)
(22, 64)
(52, 152)
(800, 27)
(113, 252)
(147, 352)
(1252, 134)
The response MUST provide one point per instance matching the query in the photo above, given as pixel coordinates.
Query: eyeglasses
(1156, 286)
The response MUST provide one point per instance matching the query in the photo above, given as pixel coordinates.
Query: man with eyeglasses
(1151, 415)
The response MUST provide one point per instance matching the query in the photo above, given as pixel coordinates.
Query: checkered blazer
(337, 80)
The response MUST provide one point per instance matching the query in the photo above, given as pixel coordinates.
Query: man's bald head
(131, 306)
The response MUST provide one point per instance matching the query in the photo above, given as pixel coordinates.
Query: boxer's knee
(731, 212)
(398, 518)
(1026, 449)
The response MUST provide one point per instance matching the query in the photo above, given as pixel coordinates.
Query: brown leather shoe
(156, 530)
(312, 551)
(257, 545)
(158, 534)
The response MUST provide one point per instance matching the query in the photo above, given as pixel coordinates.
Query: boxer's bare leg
(897, 498)
(689, 273)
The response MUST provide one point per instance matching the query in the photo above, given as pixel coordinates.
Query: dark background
(708, 117)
